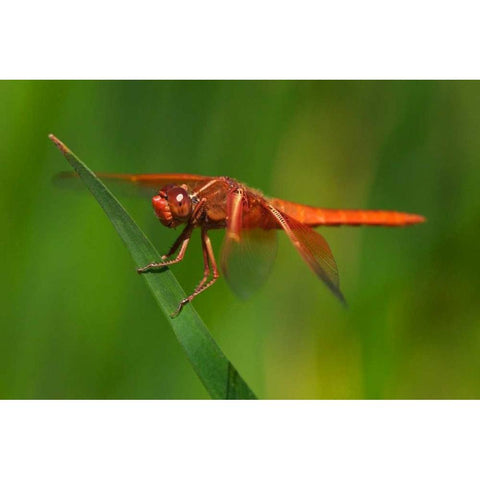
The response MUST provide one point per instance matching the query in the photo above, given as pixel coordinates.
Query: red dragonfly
(251, 221)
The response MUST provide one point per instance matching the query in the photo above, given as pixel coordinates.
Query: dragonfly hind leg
(210, 268)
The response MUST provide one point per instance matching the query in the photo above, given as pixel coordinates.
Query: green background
(78, 322)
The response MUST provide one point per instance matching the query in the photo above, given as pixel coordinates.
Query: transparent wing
(248, 262)
(136, 185)
(313, 248)
(247, 254)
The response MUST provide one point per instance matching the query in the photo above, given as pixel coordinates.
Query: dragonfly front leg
(210, 266)
(179, 241)
(182, 240)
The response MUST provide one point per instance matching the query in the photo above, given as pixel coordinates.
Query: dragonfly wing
(137, 185)
(313, 248)
(247, 254)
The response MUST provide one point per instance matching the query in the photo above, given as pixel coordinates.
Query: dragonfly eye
(172, 205)
(180, 203)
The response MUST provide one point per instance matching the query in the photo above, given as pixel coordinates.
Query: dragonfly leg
(206, 265)
(182, 240)
(210, 265)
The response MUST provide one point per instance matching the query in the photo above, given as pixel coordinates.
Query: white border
(274, 439)
(245, 40)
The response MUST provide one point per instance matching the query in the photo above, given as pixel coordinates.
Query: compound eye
(180, 203)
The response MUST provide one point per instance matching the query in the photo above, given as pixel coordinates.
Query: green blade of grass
(214, 369)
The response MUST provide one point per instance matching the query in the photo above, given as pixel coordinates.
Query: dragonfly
(251, 221)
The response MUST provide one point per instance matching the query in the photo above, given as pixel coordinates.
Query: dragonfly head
(172, 205)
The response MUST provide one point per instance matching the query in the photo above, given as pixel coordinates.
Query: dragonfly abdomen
(314, 216)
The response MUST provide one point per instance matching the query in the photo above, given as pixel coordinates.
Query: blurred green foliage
(78, 322)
